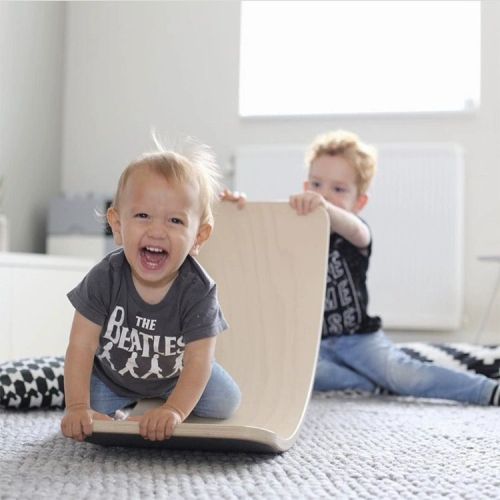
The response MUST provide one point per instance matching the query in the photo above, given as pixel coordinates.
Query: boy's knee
(408, 378)
(322, 377)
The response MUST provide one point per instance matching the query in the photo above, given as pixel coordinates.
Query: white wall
(174, 65)
(31, 83)
(132, 65)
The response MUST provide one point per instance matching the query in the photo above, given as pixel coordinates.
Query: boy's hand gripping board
(270, 268)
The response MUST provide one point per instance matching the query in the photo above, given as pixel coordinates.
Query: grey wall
(31, 85)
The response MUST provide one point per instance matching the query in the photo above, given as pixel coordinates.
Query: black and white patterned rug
(39, 382)
(458, 356)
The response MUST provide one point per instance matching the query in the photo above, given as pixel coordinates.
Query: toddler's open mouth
(153, 257)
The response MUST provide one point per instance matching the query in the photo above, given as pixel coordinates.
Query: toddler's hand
(305, 203)
(239, 198)
(159, 424)
(77, 422)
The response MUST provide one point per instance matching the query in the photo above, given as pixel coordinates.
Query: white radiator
(416, 215)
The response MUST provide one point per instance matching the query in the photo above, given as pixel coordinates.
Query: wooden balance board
(270, 266)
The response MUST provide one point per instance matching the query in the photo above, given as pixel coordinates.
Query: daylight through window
(343, 57)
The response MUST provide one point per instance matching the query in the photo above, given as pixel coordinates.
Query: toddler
(147, 316)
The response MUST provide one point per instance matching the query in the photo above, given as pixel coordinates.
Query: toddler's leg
(378, 358)
(104, 400)
(221, 396)
(332, 375)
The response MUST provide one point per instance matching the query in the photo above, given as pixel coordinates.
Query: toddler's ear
(114, 221)
(204, 233)
(361, 202)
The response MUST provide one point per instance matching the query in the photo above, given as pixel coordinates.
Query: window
(343, 57)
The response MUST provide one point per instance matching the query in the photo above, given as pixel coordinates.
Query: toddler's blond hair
(362, 157)
(196, 166)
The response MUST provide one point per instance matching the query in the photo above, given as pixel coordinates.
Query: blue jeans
(368, 361)
(220, 398)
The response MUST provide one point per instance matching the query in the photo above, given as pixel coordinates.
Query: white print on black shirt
(129, 346)
(105, 354)
(130, 366)
(342, 308)
(155, 368)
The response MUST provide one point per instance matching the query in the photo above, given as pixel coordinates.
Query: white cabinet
(35, 314)
(87, 246)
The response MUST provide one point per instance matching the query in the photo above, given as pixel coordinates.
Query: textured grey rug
(349, 447)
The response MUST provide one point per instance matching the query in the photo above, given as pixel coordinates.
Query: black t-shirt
(142, 345)
(346, 299)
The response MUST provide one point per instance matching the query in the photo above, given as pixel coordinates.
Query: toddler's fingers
(76, 431)
(64, 429)
(153, 426)
(87, 427)
(157, 431)
(143, 427)
(169, 427)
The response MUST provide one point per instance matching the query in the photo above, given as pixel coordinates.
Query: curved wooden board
(197, 436)
(270, 268)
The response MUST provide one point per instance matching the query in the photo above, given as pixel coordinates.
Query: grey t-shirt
(142, 345)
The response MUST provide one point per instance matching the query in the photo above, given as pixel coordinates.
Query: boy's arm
(342, 222)
(159, 424)
(348, 225)
(83, 343)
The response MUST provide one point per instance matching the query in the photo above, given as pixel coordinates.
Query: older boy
(354, 351)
